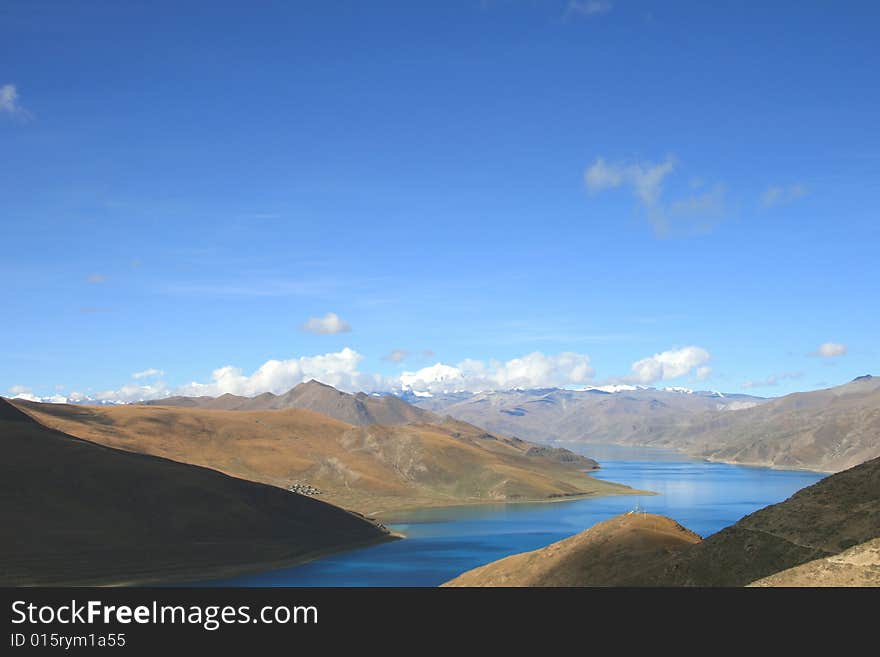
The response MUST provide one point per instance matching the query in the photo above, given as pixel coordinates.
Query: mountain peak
(864, 377)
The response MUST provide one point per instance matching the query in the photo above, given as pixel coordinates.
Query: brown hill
(360, 409)
(818, 522)
(615, 552)
(857, 566)
(75, 512)
(369, 469)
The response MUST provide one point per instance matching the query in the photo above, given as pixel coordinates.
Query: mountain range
(828, 430)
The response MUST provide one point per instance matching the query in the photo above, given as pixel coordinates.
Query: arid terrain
(369, 469)
(807, 536)
(857, 566)
(79, 513)
(615, 552)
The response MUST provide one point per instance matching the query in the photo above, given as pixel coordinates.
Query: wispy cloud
(329, 324)
(646, 181)
(588, 8)
(96, 279)
(257, 288)
(9, 102)
(775, 196)
(151, 372)
(396, 355)
(772, 380)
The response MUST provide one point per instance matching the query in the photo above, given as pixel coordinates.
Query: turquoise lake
(443, 543)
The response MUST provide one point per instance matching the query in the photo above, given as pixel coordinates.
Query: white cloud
(535, 370)
(9, 100)
(703, 373)
(326, 325)
(772, 380)
(774, 196)
(830, 350)
(147, 373)
(589, 7)
(667, 365)
(131, 392)
(396, 355)
(338, 369)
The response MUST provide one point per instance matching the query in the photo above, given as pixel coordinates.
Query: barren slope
(364, 468)
(615, 552)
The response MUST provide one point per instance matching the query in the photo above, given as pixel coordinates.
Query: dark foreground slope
(77, 512)
(818, 522)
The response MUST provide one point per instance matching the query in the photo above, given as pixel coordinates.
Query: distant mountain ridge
(358, 409)
(556, 415)
(828, 430)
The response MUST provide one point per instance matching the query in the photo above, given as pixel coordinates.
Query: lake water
(443, 543)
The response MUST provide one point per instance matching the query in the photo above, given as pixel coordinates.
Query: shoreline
(696, 456)
(387, 516)
(189, 577)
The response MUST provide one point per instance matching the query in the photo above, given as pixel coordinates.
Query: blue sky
(540, 193)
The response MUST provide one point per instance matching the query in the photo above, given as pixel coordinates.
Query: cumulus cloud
(667, 365)
(338, 369)
(774, 196)
(772, 380)
(147, 373)
(830, 350)
(327, 325)
(535, 370)
(396, 355)
(588, 8)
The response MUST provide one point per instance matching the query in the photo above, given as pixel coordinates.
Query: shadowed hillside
(76, 512)
(369, 469)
